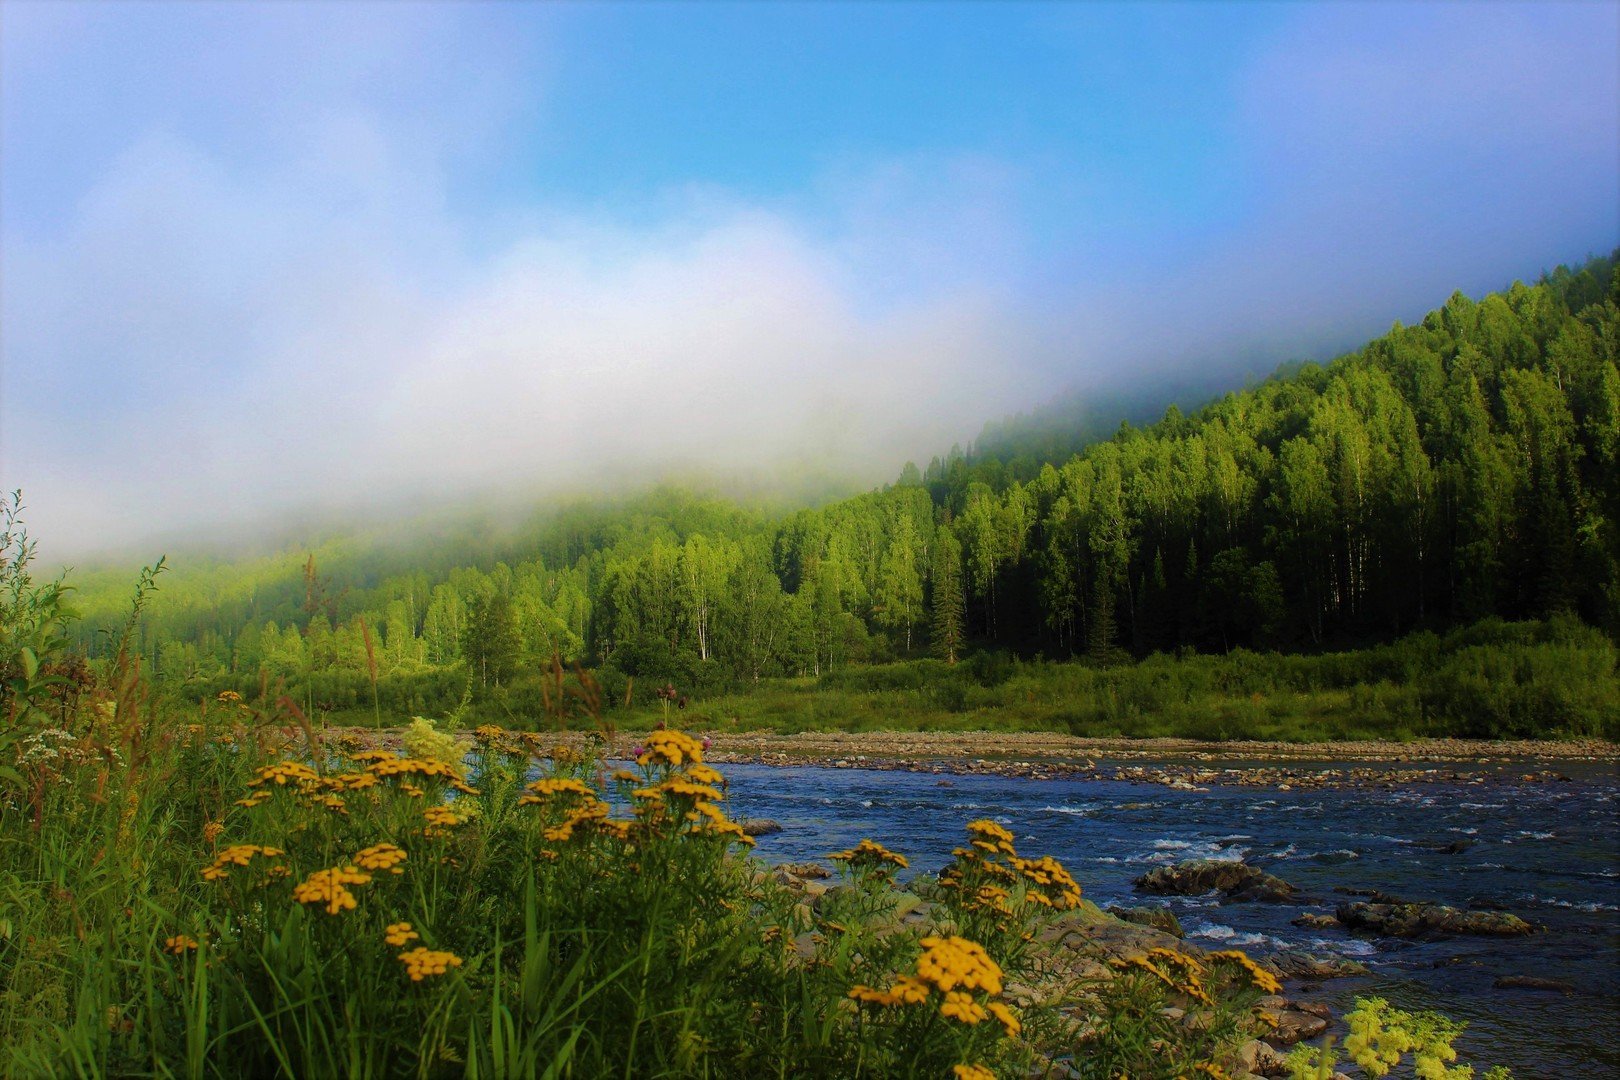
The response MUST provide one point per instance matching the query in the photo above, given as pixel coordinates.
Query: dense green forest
(1458, 470)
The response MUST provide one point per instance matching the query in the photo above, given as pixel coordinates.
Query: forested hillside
(1461, 468)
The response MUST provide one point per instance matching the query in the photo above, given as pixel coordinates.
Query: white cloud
(204, 345)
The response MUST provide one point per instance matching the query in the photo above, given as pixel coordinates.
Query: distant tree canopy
(1460, 468)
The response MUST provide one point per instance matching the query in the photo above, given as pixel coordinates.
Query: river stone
(760, 826)
(1235, 880)
(1159, 918)
(1261, 1059)
(1296, 1020)
(1298, 964)
(807, 870)
(1313, 921)
(1420, 919)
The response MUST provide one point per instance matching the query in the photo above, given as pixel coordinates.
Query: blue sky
(287, 255)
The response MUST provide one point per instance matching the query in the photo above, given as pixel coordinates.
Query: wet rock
(760, 826)
(1532, 982)
(1296, 1020)
(1261, 1059)
(1298, 964)
(1405, 919)
(1235, 880)
(1159, 918)
(1313, 921)
(1456, 847)
(809, 871)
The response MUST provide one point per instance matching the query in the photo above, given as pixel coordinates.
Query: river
(1549, 852)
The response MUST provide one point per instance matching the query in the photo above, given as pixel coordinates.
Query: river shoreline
(1186, 764)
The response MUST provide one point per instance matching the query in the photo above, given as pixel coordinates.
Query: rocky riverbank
(1177, 763)
(1182, 764)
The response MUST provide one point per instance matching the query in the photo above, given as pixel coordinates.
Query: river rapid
(1549, 852)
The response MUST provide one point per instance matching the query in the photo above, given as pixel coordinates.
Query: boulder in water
(1422, 919)
(760, 826)
(1298, 964)
(1235, 880)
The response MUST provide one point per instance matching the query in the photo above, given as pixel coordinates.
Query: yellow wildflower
(326, 888)
(381, 857)
(420, 963)
(595, 810)
(1259, 977)
(550, 787)
(672, 748)
(237, 855)
(907, 990)
(400, 933)
(705, 774)
(971, 1072)
(987, 834)
(960, 1006)
(440, 818)
(686, 789)
(179, 944)
(212, 831)
(1009, 1019)
(280, 774)
(869, 854)
(1054, 887)
(954, 961)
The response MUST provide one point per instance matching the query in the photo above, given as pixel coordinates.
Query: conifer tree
(948, 601)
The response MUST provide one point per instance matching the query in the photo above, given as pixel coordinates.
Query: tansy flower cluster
(421, 963)
(870, 855)
(954, 967)
(400, 933)
(985, 873)
(327, 888)
(1177, 971)
(440, 819)
(1050, 884)
(1261, 979)
(549, 789)
(408, 770)
(237, 855)
(381, 857)
(989, 836)
(671, 748)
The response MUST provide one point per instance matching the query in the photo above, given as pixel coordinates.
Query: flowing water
(1549, 852)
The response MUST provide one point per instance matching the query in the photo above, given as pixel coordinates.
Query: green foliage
(33, 639)
(1381, 1037)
